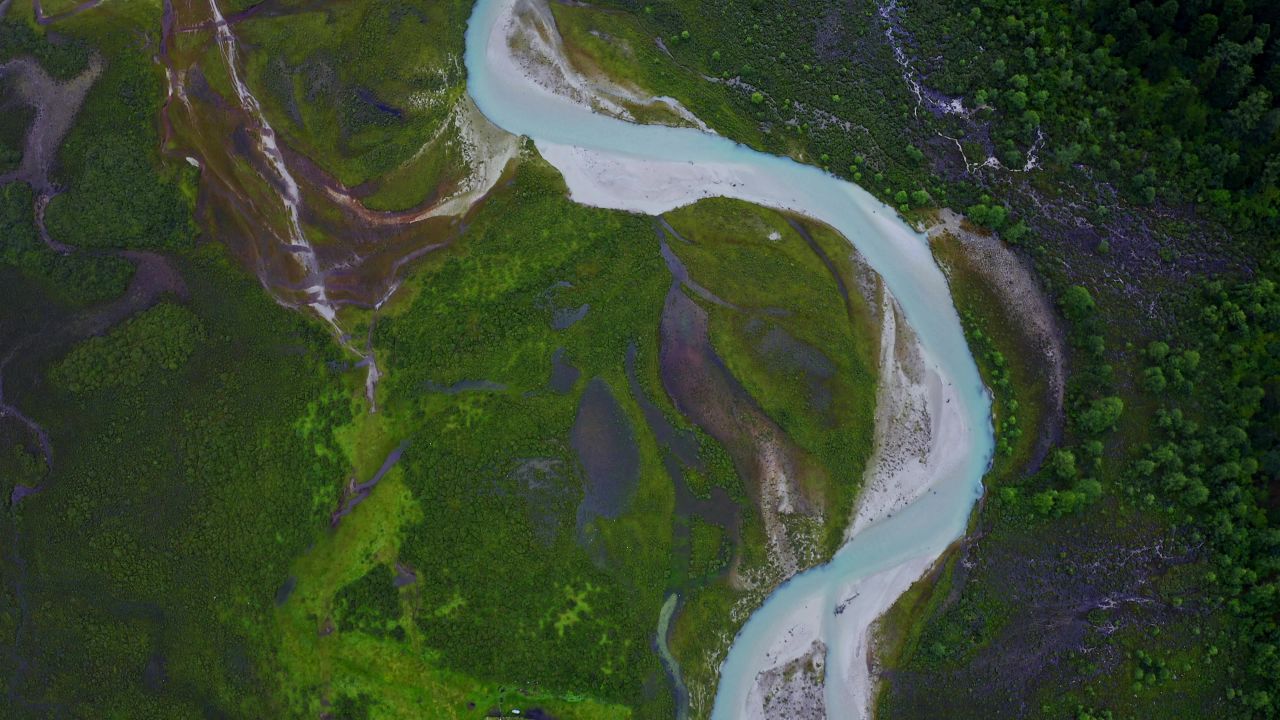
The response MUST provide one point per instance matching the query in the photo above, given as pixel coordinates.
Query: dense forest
(1173, 100)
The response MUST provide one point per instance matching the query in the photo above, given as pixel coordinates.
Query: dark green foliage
(351, 707)
(118, 193)
(15, 120)
(1063, 464)
(1008, 431)
(1218, 459)
(1173, 370)
(161, 338)
(1061, 502)
(961, 630)
(989, 216)
(1077, 304)
(173, 511)
(62, 60)
(1169, 99)
(370, 604)
(1149, 671)
(1101, 415)
(77, 278)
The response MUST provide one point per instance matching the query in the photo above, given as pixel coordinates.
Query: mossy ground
(366, 91)
(812, 367)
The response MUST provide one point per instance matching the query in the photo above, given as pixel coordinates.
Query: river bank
(649, 169)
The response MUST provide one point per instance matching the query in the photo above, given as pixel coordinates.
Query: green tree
(1101, 415)
(1063, 464)
(1077, 304)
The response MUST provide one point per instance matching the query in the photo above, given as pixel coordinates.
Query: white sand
(918, 427)
(486, 149)
(645, 186)
(920, 435)
(868, 599)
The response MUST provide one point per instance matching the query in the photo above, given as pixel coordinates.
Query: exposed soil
(1064, 598)
(1010, 277)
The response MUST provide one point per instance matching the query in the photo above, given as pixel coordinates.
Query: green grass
(398, 671)
(172, 511)
(818, 382)
(362, 88)
(507, 563)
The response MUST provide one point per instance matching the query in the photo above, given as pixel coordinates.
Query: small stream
(283, 181)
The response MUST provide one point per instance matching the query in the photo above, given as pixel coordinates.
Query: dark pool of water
(606, 447)
(565, 318)
(563, 373)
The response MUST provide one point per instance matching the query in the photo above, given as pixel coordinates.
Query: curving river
(611, 163)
